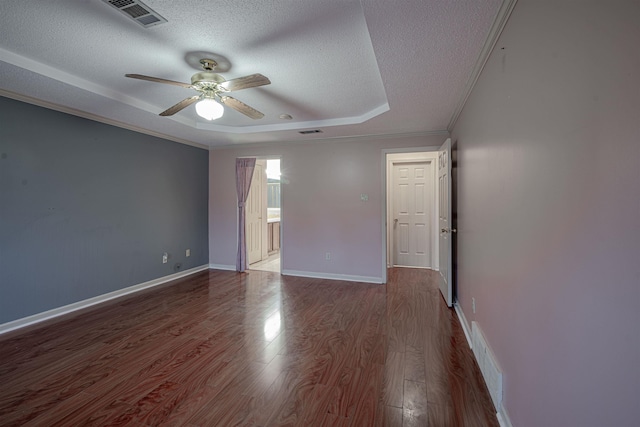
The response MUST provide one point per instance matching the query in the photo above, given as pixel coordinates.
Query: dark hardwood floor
(254, 349)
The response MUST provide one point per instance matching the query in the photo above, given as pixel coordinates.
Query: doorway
(265, 256)
(412, 206)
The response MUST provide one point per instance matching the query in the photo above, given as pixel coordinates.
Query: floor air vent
(488, 365)
(138, 11)
(307, 132)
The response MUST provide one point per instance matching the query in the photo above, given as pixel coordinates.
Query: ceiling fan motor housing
(206, 80)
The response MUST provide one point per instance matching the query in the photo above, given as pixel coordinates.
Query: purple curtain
(244, 172)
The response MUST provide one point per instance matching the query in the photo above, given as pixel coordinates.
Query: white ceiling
(347, 67)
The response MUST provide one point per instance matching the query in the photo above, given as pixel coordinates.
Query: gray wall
(87, 208)
(549, 211)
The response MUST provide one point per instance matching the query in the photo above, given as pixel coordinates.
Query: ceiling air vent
(307, 132)
(138, 11)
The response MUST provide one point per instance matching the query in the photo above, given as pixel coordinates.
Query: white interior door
(254, 220)
(444, 220)
(412, 202)
(264, 212)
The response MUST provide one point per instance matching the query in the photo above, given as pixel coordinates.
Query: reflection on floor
(218, 348)
(270, 264)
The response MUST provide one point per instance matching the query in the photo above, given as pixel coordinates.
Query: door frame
(413, 158)
(405, 155)
(265, 225)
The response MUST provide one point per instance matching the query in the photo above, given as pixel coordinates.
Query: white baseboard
(346, 277)
(222, 267)
(503, 418)
(488, 364)
(463, 322)
(66, 309)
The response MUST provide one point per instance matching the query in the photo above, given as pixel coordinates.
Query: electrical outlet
(327, 256)
(165, 258)
(188, 252)
(473, 305)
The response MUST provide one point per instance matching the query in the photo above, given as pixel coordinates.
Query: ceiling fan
(213, 88)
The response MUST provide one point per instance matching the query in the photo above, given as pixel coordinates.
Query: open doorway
(263, 246)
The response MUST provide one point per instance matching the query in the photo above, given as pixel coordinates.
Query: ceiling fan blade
(179, 106)
(254, 80)
(157, 80)
(241, 107)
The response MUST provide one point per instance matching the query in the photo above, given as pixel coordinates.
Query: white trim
(70, 308)
(463, 322)
(411, 155)
(73, 80)
(339, 121)
(502, 16)
(351, 138)
(282, 209)
(77, 82)
(418, 268)
(89, 116)
(226, 267)
(345, 277)
(384, 208)
(96, 118)
(503, 417)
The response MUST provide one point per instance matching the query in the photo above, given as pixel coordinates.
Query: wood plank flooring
(255, 349)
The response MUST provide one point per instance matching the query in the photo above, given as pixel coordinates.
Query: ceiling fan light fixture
(209, 109)
(211, 87)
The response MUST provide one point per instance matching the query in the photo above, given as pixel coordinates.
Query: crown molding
(352, 138)
(311, 124)
(95, 118)
(116, 123)
(502, 16)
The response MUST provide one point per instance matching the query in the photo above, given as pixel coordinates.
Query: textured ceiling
(349, 68)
